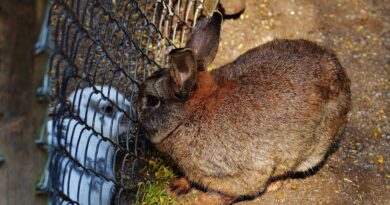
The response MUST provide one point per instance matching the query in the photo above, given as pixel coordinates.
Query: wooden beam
(21, 115)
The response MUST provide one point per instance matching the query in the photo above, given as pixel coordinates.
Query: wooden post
(21, 115)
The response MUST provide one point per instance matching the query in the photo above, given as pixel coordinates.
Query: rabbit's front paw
(180, 186)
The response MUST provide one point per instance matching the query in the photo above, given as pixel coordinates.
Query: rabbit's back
(287, 82)
(300, 61)
(279, 105)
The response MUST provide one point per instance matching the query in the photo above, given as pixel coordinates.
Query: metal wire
(101, 51)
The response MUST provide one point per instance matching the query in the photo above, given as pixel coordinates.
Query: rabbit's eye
(152, 101)
(181, 96)
(108, 109)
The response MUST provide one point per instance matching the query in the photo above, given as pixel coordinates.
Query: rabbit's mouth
(156, 135)
(149, 133)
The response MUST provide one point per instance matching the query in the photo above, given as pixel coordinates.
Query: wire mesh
(100, 53)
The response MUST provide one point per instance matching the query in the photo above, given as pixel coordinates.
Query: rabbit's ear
(183, 70)
(204, 39)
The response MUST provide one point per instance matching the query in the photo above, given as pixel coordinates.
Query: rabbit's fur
(98, 112)
(79, 186)
(89, 149)
(276, 109)
(94, 152)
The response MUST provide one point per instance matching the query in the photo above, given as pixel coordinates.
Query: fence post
(21, 115)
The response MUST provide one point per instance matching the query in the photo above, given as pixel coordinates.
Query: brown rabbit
(276, 109)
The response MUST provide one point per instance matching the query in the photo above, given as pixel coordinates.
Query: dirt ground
(359, 32)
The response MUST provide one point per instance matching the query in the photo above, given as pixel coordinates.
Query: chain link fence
(100, 52)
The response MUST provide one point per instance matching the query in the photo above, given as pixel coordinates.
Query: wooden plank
(21, 115)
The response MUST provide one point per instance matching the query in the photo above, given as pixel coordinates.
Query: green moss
(153, 191)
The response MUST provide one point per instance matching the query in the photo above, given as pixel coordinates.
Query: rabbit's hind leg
(310, 163)
(329, 133)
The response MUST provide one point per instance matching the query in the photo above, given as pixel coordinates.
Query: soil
(359, 32)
